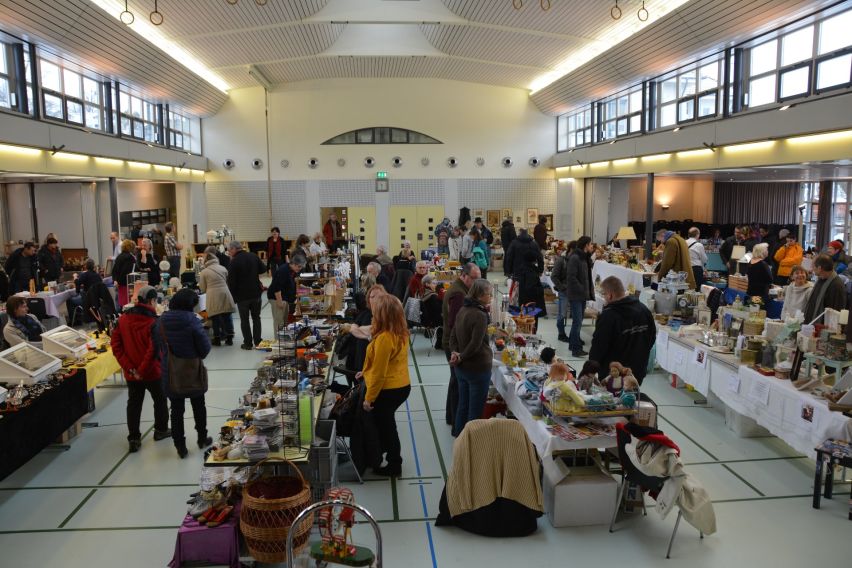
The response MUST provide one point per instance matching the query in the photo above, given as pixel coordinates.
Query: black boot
(204, 442)
(216, 342)
(229, 340)
(181, 448)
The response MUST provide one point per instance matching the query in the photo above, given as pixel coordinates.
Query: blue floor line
(422, 493)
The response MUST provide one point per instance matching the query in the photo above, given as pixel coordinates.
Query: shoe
(248, 347)
(210, 513)
(182, 451)
(389, 471)
(579, 353)
(135, 445)
(216, 342)
(229, 341)
(205, 442)
(563, 338)
(162, 434)
(221, 517)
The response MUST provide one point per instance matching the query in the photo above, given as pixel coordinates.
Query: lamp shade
(626, 234)
(738, 252)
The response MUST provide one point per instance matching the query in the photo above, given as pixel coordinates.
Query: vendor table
(545, 442)
(627, 276)
(25, 432)
(100, 368)
(799, 419)
(54, 302)
(198, 543)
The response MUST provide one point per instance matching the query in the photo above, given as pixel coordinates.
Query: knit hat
(668, 235)
(782, 234)
(836, 245)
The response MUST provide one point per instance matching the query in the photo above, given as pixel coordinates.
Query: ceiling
(834, 170)
(482, 41)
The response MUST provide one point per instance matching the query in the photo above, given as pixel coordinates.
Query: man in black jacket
(578, 290)
(22, 266)
(625, 331)
(50, 261)
(507, 235)
(282, 291)
(244, 283)
(484, 231)
(513, 261)
(727, 249)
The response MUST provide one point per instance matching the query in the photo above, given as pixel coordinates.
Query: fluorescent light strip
(598, 164)
(109, 162)
(163, 168)
(69, 156)
(656, 157)
(751, 146)
(613, 33)
(624, 161)
(694, 153)
(21, 150)
(138, 164)
(153, 35)
(825, 137)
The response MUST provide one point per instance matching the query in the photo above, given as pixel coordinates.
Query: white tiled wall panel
(347, 193)
(416, 192)
(244, 207)
(516, 194)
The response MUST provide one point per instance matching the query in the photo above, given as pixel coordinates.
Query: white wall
(59, 210)
(688, 198)
(20, 212)
(471, 120)
(134, 196)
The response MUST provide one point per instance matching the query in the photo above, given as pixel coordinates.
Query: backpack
(479, 258)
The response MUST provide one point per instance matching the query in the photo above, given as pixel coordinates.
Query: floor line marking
(422, 493)
(431, 422)
(77, 508)
(121, 461)
(743, 479)
(687, 436)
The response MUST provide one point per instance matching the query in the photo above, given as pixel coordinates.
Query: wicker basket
(525, 324)
(265, 523)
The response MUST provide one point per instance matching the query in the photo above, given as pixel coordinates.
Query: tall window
(810, 197)
(138, 118)
(71, 97)
(841, 204)
(180, 131)
(621, 114)
(574, 129)
(5, 83)
(691, 93)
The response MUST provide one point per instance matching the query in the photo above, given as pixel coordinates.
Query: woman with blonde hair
(318, 247)
(759, 273)
(386, 376)
(213, 281)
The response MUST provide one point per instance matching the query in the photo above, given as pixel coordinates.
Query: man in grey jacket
(579, 290)
(559, 276)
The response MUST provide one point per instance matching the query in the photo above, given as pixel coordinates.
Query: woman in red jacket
(133, 346)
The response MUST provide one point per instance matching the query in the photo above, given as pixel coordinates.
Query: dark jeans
(578, 308)
(135, 398)
(250, 308)
(174, 266)
(273, 265)
(384, 410)
(223, 326)
(473, 392)
(452, 394)
(199, 414)
(698, 273)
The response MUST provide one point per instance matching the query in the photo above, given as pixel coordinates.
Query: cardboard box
(577, 496)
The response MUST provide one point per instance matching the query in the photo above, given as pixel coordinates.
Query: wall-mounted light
(664, 206)
(676, 129)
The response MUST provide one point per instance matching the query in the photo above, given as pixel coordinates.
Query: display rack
(65, 342)
(27, 364)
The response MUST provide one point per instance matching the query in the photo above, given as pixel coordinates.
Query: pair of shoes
(204, 442)
(182, 451)
(563, 338)
(247, 347)
(579, 353)
(389, 471)
(229, 341)
(162, 434)
(220, 517)
(135, 445)
(216, 342)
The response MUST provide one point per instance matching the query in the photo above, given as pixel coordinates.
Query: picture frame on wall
(506, 214)
(532, 216)
(548, 222)
(493, 218)
(478, 213)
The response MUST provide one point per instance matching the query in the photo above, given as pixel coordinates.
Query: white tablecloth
(54, 303)
(627, 276)
(772, 403)
(545, 442)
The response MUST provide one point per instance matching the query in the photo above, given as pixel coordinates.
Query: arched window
(382, 135)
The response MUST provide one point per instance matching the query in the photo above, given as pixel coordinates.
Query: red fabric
(328, 232)
(273, 248)
(836, 245)
(133, 344)
(415, 286)
(655, 437)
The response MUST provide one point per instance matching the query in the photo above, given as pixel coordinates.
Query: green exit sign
(381, 175)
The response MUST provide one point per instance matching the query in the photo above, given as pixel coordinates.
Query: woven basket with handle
(270, 504)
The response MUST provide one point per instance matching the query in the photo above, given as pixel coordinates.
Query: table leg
(818, 480)
(829, 478)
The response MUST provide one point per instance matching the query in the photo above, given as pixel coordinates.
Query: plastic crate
(323, 454)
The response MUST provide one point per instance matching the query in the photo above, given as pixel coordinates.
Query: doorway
(415, 223)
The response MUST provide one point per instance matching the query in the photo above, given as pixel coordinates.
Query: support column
(113, 205)
(649, 215)
(33, 212)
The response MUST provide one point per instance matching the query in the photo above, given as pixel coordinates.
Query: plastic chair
(631, 474)
(37, 307)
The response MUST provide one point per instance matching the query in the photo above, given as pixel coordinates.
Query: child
(588, 380)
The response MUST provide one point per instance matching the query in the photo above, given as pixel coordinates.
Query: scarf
(29, 326)
(817, 299)
(471, 303)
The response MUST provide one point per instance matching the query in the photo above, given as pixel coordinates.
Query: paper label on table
(759, 391)
(680, 357)
(806, 416)
(699, 357)
(734, 383)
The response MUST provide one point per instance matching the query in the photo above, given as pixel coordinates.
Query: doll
(588, 381)
(614, 381)
(561, 391)
(630, 384)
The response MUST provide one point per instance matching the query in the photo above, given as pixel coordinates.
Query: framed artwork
(478, 213)
(532, 216)
(548, 222)
(493, 218)
(506, 214)
(518, 220)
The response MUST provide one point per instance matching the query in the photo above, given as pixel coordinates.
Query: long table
(545, 442)
(627, 276)
(773, 404)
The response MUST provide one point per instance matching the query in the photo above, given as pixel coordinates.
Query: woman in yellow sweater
(386, 374)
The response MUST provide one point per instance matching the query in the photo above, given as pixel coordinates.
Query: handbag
(412, 310)
(187, 377)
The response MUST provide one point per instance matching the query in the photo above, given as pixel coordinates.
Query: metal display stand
(365, 556)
